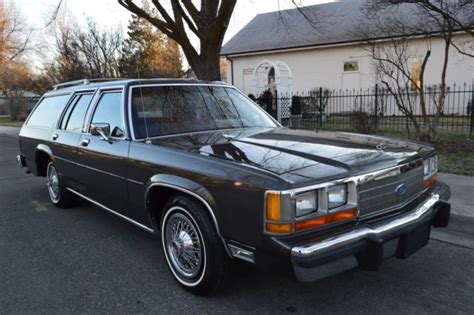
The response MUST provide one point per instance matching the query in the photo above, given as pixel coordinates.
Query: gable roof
(317, 25)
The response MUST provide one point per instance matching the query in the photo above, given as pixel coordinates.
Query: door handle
(85, 142)
(55, 136)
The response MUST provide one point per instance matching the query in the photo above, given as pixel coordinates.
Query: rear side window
(75, 114)
(48, 111)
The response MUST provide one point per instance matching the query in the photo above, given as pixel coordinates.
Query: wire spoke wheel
(184, 245)
(52, 181)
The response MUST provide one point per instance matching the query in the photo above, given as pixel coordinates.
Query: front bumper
(369, 245)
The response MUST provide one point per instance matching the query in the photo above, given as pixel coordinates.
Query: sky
(109, 13)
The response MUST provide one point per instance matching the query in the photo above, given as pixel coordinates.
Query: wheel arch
(43, 155)
(168, 185)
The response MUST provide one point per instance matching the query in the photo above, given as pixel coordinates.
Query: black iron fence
(377, 109)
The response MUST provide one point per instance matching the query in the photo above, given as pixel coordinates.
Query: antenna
(147, 139)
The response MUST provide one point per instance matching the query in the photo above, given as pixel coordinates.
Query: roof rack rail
(83, 82)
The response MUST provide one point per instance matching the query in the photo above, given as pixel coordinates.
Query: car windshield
(165, 110)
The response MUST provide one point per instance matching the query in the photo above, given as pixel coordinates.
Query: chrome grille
(380, 195)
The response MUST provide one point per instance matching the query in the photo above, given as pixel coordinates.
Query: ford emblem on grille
(401, 189)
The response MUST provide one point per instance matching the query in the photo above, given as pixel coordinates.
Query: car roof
(92, 84)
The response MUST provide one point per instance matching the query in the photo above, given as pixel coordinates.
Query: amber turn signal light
(273, 211)
(429, 181)
(279, 228)
(319, 221)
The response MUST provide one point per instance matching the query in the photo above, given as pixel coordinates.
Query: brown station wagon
(219, 179)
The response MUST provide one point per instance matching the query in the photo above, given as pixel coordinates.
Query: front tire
(58, 194)
(193, 249)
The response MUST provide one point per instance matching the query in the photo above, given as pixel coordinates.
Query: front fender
(185, 184)
(188, 187)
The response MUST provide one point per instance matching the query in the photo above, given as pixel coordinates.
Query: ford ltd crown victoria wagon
(214, 175)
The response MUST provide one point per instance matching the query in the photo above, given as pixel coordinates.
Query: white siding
(323, 67)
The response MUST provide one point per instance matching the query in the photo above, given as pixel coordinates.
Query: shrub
(18, 107)
(295, 108)
(362, 121)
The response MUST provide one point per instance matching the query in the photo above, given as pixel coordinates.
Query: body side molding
(144, 227)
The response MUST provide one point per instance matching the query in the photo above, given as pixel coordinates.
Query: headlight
(306, 203)
(426, 167)
(337, 196)
(430, 166)
(434, 164)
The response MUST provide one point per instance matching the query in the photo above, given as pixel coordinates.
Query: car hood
(300, 156)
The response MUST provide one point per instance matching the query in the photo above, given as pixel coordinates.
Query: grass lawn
(455, 150)
(5, 121)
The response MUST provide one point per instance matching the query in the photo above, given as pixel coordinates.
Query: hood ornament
(381, 146)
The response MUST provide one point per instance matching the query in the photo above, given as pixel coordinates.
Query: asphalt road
(84, 260)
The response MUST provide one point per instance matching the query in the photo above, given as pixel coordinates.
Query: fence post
(320, 107)
(278, 107)
(472, 108)
(376, 101)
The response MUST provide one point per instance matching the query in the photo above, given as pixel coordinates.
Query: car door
(66, 136)
(102, 163)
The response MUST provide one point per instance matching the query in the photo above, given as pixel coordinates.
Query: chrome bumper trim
(19, 160)
(361, 233)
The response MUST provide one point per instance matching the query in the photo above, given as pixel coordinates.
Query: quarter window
(48, 111)
(109, 111)
(75, 114)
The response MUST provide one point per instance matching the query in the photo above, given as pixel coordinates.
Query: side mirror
(101, 129)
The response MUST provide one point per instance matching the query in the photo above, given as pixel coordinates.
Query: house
(287, 52)
(28, 98)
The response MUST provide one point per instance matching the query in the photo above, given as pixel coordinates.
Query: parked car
(207, 169)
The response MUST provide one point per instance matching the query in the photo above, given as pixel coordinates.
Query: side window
(74, 117)
(48, 111)
(68, 112)
(109, 110)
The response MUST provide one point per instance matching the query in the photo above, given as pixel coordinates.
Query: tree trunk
(206, 66)
(442, 92)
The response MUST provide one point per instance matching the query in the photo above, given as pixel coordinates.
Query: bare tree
(14, 36)
(88, 53)
(393, 57)
(208, 23)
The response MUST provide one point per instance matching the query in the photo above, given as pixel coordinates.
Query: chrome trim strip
(241, 253)
(189, 192)
(361, 233)
(20, 161)
(358, 179)
(100, 171)
(65, 160)
(135, 181)
(112, 211)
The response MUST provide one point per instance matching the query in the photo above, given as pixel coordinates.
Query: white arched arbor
(263, 74)
(273, 75)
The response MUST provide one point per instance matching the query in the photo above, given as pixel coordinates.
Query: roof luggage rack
(82, 82)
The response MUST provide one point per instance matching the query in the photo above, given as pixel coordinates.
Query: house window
(350, 66)
(415, 74)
